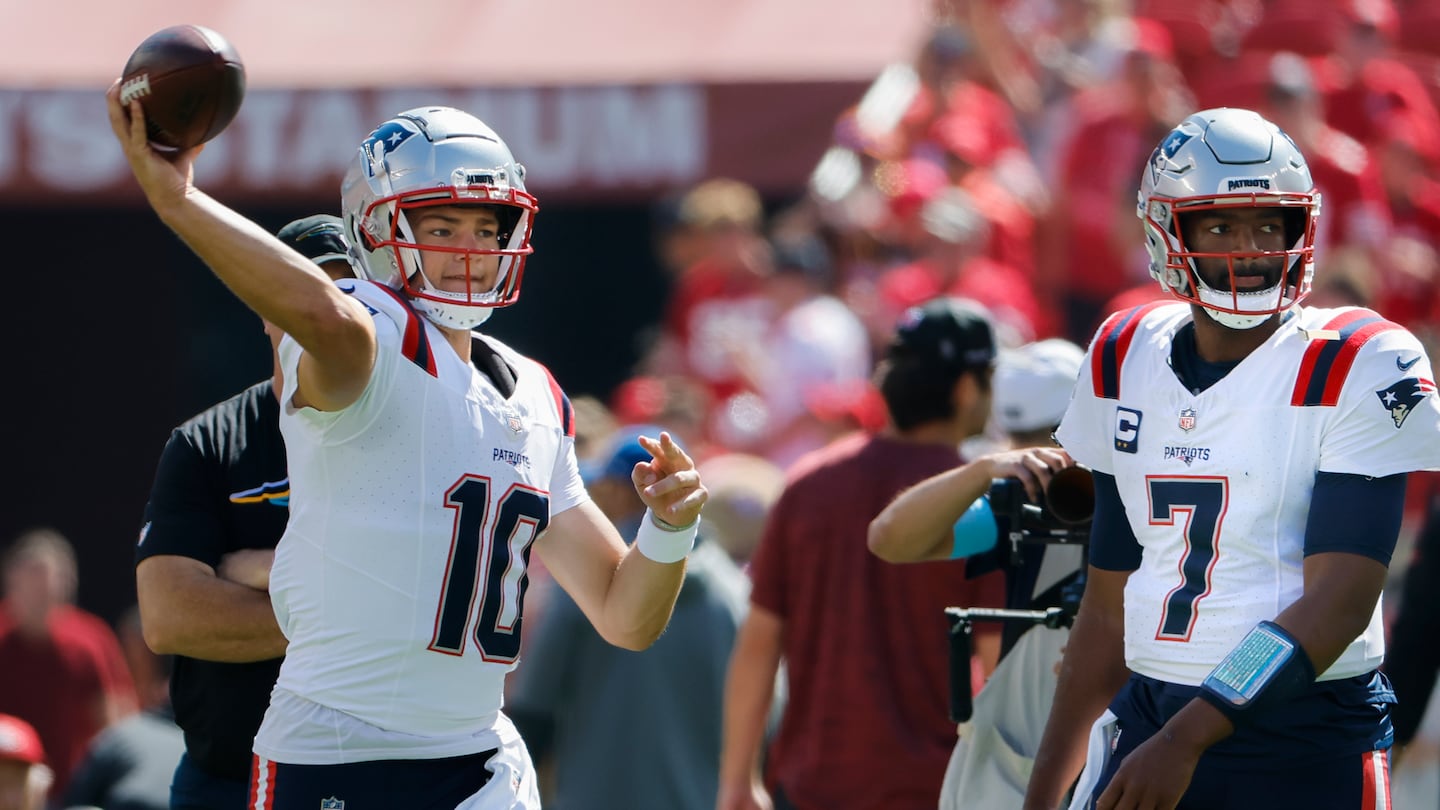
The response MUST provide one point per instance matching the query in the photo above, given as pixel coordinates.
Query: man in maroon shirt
(864, 642)
(61, 668)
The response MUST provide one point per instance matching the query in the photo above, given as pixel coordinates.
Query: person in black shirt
(217, 508)
(1413, 658)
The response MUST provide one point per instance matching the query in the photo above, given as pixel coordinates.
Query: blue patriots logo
(1403, 396)
(383, 141)
(1172, 144)
(1166, 152)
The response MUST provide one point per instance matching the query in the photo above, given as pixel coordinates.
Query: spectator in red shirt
(950, 261)
(863, 641)
(63, 670)
(718, 299)
(1355, 209)
(1087, 248)
(1364, 81)
(1408, 154)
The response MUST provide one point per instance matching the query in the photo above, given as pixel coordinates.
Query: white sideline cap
(1032, 384)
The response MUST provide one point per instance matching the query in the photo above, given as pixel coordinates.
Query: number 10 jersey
(401, 576)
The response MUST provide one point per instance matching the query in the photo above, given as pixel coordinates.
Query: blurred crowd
(1000, 165)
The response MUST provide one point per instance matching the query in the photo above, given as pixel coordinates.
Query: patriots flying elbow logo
(1172, 144)
(1403, 396)
(383, 141)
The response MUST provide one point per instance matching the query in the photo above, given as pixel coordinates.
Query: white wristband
(665, 545)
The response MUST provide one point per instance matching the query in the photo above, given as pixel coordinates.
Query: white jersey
(401, 575)
(1217, 485)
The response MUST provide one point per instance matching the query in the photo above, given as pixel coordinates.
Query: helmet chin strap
(1211, 298)
(452, 316)
(444, 314)
(1234, 321)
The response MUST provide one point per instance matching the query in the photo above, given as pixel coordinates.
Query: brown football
(190, 81)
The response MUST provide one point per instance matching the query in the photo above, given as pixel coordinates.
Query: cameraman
(948, 516)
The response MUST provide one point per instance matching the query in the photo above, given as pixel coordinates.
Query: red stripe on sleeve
(1312, 354)
(1346, 358)
(562, 403)
(1097, 357)
(1118, 331)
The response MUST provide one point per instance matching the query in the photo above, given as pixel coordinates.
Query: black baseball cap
(319, 238)
(951, 335)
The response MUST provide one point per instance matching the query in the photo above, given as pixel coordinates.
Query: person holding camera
(962, 513)
(1250, 457)
(861, 640)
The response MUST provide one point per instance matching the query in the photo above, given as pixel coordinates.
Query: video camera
(1062, 517)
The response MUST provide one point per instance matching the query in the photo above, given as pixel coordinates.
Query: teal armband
(1268, 666)
(975, 531)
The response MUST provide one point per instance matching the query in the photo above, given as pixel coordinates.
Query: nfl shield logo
(332, 803)
(1187, 420)
(512, 420)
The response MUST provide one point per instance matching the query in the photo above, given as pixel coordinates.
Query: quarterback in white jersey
(426, 551)
(1250, 458)
(426, 464)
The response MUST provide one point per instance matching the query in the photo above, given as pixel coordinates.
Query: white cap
(1033, 383)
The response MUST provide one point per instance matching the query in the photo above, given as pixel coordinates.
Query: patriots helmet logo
(1172, 144)
(383, 141)
(1403, 396)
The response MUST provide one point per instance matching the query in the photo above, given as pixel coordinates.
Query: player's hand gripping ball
(190, 82)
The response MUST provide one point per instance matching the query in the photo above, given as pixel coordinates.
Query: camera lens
(1071, 495)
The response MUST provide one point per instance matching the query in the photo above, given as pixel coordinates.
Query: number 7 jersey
(1217, 484)
(401, 576)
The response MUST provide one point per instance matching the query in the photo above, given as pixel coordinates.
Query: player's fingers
(669, 456)
(684, 479)
(1110, 799)
(643, 474)
(119, 116)
(689, 506)
(674, 453)
(139, 139)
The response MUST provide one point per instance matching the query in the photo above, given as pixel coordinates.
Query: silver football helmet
(436, 156)
(1228, 158)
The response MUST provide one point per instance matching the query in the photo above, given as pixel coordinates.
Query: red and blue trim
(416, 343)
(562, 403)
(1111, 346)
(1327, 360)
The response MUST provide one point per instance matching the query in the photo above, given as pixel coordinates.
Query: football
(189, 80)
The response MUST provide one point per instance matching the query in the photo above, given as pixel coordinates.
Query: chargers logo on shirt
(1403, 396)
(276, 493)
